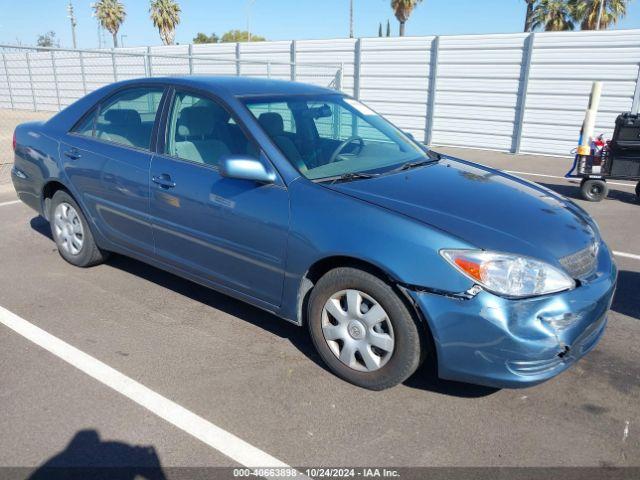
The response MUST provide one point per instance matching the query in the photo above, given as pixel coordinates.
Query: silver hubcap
(357, 330)
(68, 228)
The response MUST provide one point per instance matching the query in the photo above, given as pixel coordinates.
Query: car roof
(239, 86)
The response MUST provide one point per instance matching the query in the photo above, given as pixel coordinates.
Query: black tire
(638, 191)
(594, 190)
(408, 348)
(89, 254)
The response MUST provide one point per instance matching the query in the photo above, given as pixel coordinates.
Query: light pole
(122, 37)
(249, 5)
(72, 18)
(350, 18)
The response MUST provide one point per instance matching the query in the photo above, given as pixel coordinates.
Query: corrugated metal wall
(515, 92)
(477, 90)
(563, 67)
(394, 79)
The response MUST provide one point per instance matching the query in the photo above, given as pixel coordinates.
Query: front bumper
(494, 341)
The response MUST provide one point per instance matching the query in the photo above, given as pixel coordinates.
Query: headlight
(509, 275)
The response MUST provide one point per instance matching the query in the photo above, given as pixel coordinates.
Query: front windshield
(328, 136)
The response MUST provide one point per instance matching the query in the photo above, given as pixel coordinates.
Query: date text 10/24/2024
(316, 472)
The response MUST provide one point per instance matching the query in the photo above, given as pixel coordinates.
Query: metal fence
(34, 81)
(510, 92)
(51, 78)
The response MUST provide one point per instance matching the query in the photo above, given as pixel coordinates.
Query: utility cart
(618, 159)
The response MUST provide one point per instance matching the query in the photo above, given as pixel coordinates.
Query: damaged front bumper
(490, 340)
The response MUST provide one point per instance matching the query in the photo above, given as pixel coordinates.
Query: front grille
(582, 263)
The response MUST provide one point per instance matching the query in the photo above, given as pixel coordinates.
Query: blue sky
(276, 19)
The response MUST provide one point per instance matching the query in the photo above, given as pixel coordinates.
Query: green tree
(240, 36)
(110, 14)
(380, 29)
(529, 18)
(204, 38)
(585, 12)
(388, 28)
(165, 15)
(48, 39)
(552, 15)
(402, 9)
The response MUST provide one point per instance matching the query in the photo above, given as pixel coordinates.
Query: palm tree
(402, 10)
(165, 15)
(110, 14)
(586, 12)
(552, 15)
(528, 21)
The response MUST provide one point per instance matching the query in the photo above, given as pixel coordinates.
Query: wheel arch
(48, 191)
(324, 265)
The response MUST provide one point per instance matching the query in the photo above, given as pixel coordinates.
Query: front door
(228, 232)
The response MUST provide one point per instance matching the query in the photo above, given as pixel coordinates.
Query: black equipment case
(624, 155)
(619, 160)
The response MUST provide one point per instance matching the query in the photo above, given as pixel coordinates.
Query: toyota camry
(306, 203)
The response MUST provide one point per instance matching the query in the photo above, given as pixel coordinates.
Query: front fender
(325, 223)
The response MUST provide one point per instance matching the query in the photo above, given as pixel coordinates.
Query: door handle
(164, 181)
(73, 154)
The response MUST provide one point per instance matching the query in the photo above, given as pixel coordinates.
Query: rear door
(228, 232)
(107, 158)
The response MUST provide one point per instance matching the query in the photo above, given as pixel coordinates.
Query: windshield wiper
(346, 177)
(433, 157)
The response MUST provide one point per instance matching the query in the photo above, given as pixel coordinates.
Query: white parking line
(12, 202)
(627, 255)
(205, 431)
(514, 172)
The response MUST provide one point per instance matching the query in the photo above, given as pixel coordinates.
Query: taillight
(14, 141)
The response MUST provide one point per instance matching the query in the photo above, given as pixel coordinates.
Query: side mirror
(410, 135)
(245, 168)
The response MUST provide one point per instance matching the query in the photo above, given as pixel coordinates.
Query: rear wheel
(638, 191)
(71, 232)
(594, 190)
(362, 329)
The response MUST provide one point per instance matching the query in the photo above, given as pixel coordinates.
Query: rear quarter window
(86, 125)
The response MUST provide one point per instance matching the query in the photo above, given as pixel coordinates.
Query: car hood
(482, 206)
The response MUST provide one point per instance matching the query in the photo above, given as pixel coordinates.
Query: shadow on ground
(626, 300)
(425, 378)
(572, 191)
(88, 456)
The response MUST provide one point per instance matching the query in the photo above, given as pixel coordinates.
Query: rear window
(126, 118)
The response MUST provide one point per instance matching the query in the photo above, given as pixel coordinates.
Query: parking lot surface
(258, 378)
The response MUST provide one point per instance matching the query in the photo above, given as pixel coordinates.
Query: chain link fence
(49, 79)
(35, 82)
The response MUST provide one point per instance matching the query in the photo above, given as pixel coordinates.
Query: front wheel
(362, 329)
(71, 232)
(638, 191)
(594, 190)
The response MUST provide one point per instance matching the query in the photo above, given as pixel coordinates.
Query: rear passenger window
(202, 131)
(128, 117)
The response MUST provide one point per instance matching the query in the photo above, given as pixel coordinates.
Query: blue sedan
(306, 203)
